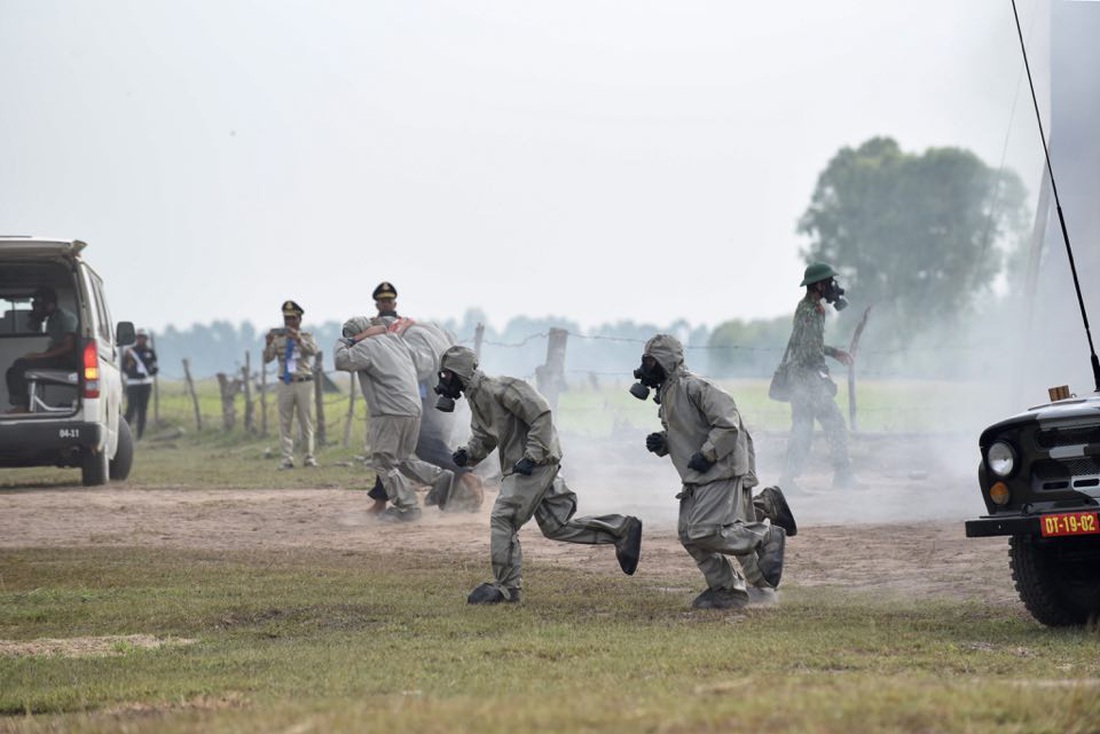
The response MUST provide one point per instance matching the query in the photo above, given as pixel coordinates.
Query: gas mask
(448, 389)
(834, 294)
(650, 374)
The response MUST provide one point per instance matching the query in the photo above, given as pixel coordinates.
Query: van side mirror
(125, 334)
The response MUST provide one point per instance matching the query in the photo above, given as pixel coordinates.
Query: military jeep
(1040, 480)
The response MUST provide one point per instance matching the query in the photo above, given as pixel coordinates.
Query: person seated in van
(61, 328)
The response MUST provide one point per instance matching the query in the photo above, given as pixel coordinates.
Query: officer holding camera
(813, 392)
(294, 349)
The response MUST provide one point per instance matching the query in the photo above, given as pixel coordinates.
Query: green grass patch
(337, 641)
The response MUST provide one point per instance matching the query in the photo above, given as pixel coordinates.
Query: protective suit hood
(667, 350)
(461, 361)
(355, 325)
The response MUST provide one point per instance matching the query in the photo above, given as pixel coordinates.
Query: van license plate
(1071, 523)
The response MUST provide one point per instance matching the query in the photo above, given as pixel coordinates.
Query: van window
(18, 281)
(15, 316)
(104, 331)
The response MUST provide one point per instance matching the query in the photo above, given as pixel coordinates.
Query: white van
(69, 414)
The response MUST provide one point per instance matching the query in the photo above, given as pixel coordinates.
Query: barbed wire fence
(547, 362)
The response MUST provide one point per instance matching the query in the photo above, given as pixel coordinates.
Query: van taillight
(91, 370)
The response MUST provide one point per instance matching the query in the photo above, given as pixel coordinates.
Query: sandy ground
(902, 533)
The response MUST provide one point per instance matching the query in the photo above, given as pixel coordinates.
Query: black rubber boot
(629, 548)
(719, 599)
(778, 511)
(491, 594)
(770, 556)
(396, 514)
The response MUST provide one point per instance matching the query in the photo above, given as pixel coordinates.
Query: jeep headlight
(1001, 458)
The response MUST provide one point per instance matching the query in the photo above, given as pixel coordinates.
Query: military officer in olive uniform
(294, 349)
(812, 390)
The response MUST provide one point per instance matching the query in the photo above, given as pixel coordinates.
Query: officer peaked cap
(385, 289)
(290, 308)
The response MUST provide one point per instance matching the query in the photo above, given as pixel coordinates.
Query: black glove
(656, 442)
(700, 463)
(460, 457)
(524, 466)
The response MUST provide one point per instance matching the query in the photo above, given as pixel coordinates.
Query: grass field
(343, 642)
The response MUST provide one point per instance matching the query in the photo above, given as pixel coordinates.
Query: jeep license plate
(1071, 523)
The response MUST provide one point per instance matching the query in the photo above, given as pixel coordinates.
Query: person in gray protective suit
(713, 453)
(387, 378)
(427, 342)
(511, 416)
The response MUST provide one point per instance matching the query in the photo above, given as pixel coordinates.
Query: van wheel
(94, 468)
(124, 453)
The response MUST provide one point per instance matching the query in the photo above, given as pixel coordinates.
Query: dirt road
(928, 556)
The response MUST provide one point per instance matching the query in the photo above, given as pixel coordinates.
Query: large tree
(920, 236)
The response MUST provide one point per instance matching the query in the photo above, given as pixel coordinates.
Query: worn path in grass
(902, 533)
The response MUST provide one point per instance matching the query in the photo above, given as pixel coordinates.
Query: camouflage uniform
(511, 416)
(813, 392)
(717, 517)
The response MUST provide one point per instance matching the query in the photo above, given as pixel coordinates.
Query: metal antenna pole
(1058, 205)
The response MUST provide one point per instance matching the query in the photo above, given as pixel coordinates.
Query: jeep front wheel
(1058, 581)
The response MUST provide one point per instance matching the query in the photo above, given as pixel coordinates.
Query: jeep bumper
(985, 527)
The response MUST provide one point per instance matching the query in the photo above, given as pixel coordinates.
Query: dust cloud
(1022, 339)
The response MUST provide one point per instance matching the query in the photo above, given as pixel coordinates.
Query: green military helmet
(817, 272)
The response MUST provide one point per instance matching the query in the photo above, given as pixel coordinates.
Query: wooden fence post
(228, 390)
(194, 397)
(246, 381)
(351, 409)
(320, 434)
(263, 399)
(479, 334)
(550, 377)
(156, 384)
(853, 347)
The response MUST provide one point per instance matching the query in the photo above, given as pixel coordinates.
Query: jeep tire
(1058, 582)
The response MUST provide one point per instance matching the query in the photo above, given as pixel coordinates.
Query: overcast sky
(592, 160)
